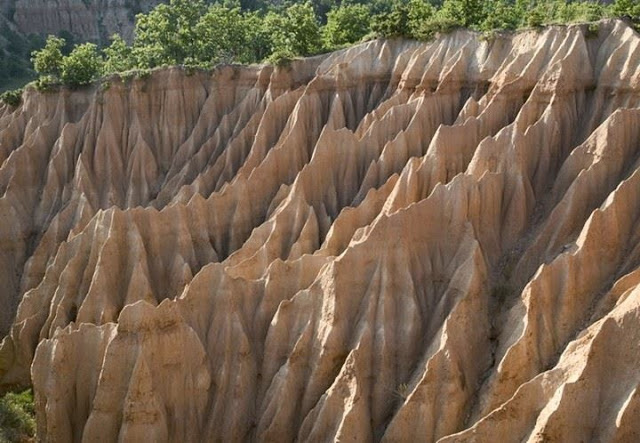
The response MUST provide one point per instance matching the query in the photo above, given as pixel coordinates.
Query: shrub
(593, 29)
(438, 24)
(346, 24)
(118, 56)
(296, 31)
(105, 85)
(229, 35)
(46, 83)
(82, 66)
(421, 19)
(191, 66)
(403, 390)
(281, 58)
(48, 60)
(143, 74)
(17, 421)
(466, 13)
(168, 33)
(502, 15)
(536, 18)
(393, 23)
(12, 98)
(627, 8)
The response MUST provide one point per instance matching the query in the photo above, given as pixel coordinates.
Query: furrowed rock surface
(399, 241)
(95, 20)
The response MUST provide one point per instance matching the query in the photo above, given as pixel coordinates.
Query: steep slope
(399, 241)
(94, 20)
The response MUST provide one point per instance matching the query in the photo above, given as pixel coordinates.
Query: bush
(296, 31)
(420, 20)
(17, 416)
(593, 29)
(191, 66)
(438, 24)
(502, 15)
(118, 56)
(627, 8)
(48, 60)
(46, 83)
(12, 98)
(420, 12)
(393, 23)
(345, 25)
(465, 13)
(168, 33)
(228, 35)
(536, 17)
(82, 66)
(281, 58)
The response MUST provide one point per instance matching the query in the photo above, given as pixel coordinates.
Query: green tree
(296, 31)
(466, 13)
(421, 16)
(537, 16)
(82, 66)
(168, 34)
(346, 24)
(501, 15)
(629, 8)
(48, 60)
(257, 37)
(228, 34)
(392, 23)
(579, 11)
(118, 56)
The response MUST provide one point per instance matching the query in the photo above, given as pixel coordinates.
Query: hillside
(399, 241)
(86, 20)
(24, 24)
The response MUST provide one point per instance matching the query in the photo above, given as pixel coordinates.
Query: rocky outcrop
(94, 20)
(399, 241)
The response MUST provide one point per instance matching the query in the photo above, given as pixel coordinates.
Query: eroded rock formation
(400, 241)
(95, 20)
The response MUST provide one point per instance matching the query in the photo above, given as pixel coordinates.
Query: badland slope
(94, 20)
(399, 241)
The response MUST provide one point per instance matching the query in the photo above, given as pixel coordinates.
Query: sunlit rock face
(400, 241)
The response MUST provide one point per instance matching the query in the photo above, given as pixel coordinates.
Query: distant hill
(25, 23)
(93, 20)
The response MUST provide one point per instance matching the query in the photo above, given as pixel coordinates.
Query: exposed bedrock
(399, 241)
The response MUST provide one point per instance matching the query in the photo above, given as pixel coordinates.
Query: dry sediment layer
(396, 242)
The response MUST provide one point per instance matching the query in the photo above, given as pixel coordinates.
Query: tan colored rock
(395, 242)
